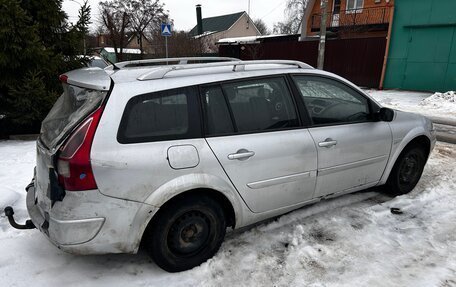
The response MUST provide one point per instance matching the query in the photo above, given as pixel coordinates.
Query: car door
(253, 128)
(353, 149)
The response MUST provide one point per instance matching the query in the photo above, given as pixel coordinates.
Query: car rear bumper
(90, 223)
(62, 232)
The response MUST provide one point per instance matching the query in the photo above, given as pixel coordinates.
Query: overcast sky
(184, 15)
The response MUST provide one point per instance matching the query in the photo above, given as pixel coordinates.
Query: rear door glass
(261, 104)
(73, 106)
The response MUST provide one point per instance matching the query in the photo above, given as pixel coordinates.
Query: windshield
(73, 106)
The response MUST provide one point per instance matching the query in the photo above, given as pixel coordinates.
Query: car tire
(407, 170)
(185, 233)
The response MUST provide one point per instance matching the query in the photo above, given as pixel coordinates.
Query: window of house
(354, 5)
(330, 102)
(165, 115)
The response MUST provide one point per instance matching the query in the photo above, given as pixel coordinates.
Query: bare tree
(261, 26)
(115, 18)
(145, 15)
(121, 18)
(184, 45)
(283, 28)
(180, 44)
(294, 12)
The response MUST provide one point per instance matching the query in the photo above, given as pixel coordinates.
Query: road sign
(166, 30)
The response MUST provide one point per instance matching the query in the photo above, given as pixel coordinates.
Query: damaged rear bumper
(88, 222)
(62, 232)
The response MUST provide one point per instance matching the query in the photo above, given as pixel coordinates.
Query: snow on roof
(207, 33)
(125, 50)
(247, 39)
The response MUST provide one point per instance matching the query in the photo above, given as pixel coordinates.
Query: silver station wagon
(167, 154)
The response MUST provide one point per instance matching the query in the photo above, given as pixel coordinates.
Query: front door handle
(329, 142)
(241, 154)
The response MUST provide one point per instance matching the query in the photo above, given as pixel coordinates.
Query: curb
(443, 121)
(444, 137)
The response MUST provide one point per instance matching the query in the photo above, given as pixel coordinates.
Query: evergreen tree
(38, 45)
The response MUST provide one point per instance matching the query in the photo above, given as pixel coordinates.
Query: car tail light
(73, 164)
(63, 78)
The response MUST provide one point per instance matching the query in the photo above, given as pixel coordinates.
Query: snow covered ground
(353, 240)
(349, 241)
(442, 105)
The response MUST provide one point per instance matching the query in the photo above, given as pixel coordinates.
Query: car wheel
(186, 233)
(407, 171)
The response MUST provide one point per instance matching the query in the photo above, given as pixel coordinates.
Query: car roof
(143, 78)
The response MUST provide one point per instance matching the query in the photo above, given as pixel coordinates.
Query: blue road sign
(166, 30)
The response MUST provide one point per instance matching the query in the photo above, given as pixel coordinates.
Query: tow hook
(9, 212)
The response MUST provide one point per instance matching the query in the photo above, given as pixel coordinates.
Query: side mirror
(385, 115)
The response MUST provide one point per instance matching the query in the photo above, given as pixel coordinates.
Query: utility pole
(248, 22)
(321, 46)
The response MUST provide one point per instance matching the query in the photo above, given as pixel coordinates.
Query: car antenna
(114, 67)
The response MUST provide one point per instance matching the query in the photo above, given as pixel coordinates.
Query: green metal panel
(450, 79)
(396, 72)
(421, 11)
(440, 12)
(430, 44)
(427, 76)
(453, 49)
(109, 56)
(422, 52)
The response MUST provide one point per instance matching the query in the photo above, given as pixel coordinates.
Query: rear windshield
(73, 106)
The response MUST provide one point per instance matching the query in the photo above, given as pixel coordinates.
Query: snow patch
(441, 100)
(442, 105)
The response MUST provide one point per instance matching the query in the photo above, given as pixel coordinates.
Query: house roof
(217, 23)
(124, 50)
(252, 39)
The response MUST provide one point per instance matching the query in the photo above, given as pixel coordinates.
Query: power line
(273, 9)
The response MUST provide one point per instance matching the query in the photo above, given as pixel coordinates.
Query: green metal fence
(422, 53)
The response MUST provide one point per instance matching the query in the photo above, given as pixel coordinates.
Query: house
(348, 18)
(212, 29)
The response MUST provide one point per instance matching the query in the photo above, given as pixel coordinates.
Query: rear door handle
(241, 154)
(329, 142)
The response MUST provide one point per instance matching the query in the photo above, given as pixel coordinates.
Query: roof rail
(160, 72)
(165, 61)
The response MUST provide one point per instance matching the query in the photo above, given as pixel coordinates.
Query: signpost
(166, 32)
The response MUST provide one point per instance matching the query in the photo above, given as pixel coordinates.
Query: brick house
(348, 18)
